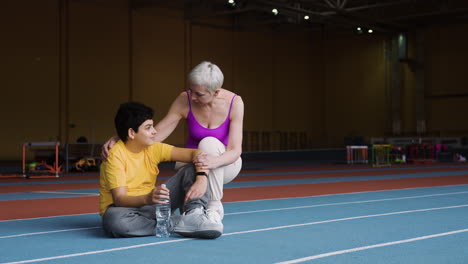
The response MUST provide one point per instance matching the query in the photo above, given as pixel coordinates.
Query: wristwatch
(201, 173)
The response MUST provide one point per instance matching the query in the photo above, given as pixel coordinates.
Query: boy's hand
(198, 189)
(159, 193)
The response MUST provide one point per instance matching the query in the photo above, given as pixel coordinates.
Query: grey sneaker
(216, 205)
(197, 224)
(214, 216)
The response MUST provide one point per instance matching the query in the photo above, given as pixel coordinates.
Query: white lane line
(235, 233)
(350, 193)
(50, 192)
(293, 208)
(45, 217)
(345, 203)
(50, 232)
(258, 200)
(97, 251)
(348, 218)
(341, 252)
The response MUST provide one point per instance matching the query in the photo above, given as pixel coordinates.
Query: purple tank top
(197, 132)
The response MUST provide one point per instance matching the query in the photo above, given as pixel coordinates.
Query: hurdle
(421, 153)
(380, 154)
(357, 154)
(54, 169)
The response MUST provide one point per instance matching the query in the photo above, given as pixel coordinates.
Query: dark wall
(67, 65)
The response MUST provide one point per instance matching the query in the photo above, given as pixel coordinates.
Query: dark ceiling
(381, 16)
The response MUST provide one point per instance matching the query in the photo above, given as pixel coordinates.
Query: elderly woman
(214, 119)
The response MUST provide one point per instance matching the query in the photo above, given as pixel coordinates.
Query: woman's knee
(232, 170)
(211, 145)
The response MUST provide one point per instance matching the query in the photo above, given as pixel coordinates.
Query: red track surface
(79, 205)
(93, 185)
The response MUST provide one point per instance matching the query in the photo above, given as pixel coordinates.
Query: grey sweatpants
(131, 222)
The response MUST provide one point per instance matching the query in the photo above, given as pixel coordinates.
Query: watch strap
(201, 173)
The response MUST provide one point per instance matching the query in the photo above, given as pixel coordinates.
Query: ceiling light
(370, 31)
(275, 11)
(306, 17)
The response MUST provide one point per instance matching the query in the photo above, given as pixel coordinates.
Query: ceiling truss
(379, 15)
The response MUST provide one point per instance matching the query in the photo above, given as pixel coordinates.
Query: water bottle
(163, 218)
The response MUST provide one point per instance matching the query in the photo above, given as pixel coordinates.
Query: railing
(453, 142)
(254, 141)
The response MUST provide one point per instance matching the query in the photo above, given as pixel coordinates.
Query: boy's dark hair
(131, 115)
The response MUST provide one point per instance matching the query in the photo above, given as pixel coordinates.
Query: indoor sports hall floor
(291, 212)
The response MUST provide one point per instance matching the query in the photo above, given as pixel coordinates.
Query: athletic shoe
(216, 205)
(197, 224)
(214, 216)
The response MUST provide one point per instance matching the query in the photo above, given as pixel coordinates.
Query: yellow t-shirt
(136, 171)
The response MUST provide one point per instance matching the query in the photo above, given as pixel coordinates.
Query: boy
(128, 194)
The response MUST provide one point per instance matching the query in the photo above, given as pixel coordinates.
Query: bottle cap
(163, 185)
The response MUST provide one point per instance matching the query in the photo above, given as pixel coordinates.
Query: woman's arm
(200, 185)
(107, 146)
(234, 148)
(164, 127)
(177, 111)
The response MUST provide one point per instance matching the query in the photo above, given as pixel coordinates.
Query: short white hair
(207, 74)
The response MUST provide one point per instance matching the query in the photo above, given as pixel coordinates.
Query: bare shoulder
(238, 102)
(180, 105)
(237, 110)
(182, 95)
(181, 99)
(228, 95)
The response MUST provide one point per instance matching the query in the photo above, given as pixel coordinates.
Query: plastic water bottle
(163, 218)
